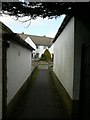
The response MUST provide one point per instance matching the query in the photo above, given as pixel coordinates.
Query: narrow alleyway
(41, 100)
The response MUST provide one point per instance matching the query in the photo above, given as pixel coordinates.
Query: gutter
(8, 36)
(15, 38)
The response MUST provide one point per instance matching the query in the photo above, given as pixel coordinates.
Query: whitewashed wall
(41, 50)
(18, 68)
(0, 72)
(64, 57)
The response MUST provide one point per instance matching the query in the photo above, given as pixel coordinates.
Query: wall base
(12, 106)
(72, 106)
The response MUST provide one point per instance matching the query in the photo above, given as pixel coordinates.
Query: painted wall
(0, 72)
(64, 57)
(41, 50)
(82, 36)
(18, 68)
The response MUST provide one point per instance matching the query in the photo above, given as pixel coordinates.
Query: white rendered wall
(64, 57)
(41, 50)
(0, 73)
(51, 49)
(18, 68)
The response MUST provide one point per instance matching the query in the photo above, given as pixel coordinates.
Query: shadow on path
(41, 100)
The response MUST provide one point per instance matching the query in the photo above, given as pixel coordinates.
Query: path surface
(41, 100)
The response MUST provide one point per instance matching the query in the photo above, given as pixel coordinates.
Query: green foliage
(45, 9)
(47, 55)
(43, 57)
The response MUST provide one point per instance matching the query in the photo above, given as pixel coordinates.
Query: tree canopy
(47, 55)
(45, 9)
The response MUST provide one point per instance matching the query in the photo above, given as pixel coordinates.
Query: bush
(47, 55)
(43, 57)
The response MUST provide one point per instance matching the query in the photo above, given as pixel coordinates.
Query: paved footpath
(41, 100)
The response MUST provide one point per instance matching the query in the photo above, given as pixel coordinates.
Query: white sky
(39, 27)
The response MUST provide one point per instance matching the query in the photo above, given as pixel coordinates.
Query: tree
(43, 57)
(47, 55)
(45, 9)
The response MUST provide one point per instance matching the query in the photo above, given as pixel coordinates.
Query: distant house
(16, 57)
(42, 43)
(72, 64)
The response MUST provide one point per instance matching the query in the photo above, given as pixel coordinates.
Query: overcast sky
(40, 26)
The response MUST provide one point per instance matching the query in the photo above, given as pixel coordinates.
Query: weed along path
(41, 99)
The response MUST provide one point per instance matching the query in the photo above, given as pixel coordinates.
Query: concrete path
(41, 100)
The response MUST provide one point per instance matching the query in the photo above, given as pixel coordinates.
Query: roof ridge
(42, 36)
(35, 35)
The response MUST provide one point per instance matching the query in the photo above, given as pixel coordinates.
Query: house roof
(7, 34)
(41, 40)
(62, 26)
(38, 40)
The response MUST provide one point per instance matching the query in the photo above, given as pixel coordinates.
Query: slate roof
(38, 40)
(23, 36)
